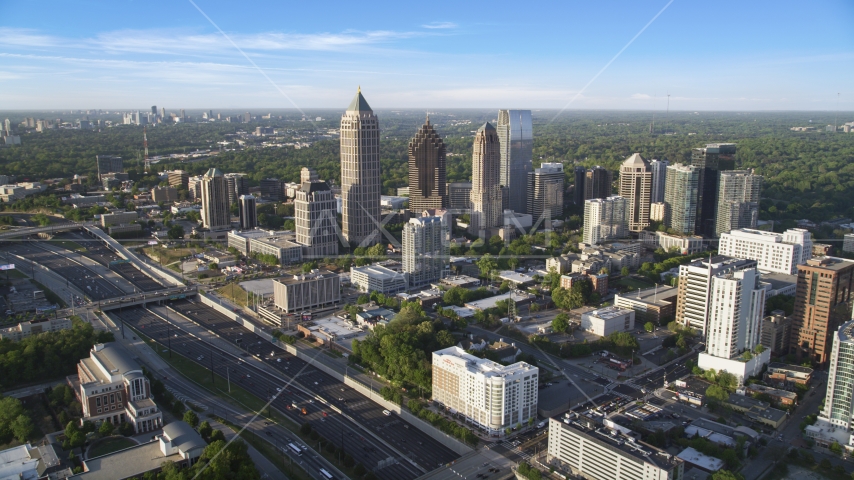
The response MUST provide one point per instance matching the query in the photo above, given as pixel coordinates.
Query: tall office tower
(272, 188)
(597, 183)
(7, 126)
(307, 175)
(695, 282)
(635, 187)
(183, 116)
(516, 138)
(738, 200)
(316, 221)
(108, 164)
(424, 250)
(154, 111)
(459, 195)
(247, 118)
(710, 160)
(486, 212)
(215, 210)
(822, 303)
(137, 120)
(246, 211)
(236, 185)
(162, 112)
(427, 188)
(578, 188)
(545, 193)
(659, 179)
(605, 219)
(774, 252)
(680, 198)
(839, 401)
(737, 305)
(194, 186)
(178, 178)
(360, 173)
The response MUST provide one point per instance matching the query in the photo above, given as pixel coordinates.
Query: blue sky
(708, 55)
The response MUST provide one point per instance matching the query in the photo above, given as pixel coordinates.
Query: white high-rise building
(738, 200)
(315, 218)
(773, 252)
(737, 305)
(839, 402)
(216, 215)
(659, 179)
(360, 173)
(490, 395)
(425, 250)
(680, 198)
(486, 211)
(605, 219)
(695, 288)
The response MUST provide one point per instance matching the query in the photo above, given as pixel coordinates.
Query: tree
(205, 430)
(175, 232)
(624, 271)
(649, 327)
(221, 461)
(486, 264)
(836, 448)
(560, 322)
(126, 429)
(10, 409)
(725, 475)
(191, 418)
(106, 428)
(22, 428)
(715, 392)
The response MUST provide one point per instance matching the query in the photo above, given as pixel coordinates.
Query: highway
(97, 251)
(407, 438)
(92, 284)
(334, 426)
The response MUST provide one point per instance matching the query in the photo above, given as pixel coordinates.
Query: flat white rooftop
(487, 368)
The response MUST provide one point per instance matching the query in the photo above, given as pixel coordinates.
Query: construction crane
(145, 146)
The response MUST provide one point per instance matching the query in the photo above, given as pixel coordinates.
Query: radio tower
(145, 146)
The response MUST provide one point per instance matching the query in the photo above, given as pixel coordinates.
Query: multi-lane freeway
(97, 251)
(387, 436)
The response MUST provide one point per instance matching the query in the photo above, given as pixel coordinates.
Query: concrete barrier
(158, 275)
(210, 302)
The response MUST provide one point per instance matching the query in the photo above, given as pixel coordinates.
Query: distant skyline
(722, 55)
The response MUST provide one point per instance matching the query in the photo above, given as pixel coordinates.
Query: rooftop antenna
(145, 145)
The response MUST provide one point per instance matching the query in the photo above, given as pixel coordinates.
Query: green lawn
(634, 284)
(110, 445)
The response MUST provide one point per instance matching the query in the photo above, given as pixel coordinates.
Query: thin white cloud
(641, 96)
(439, 25)
(24, 37)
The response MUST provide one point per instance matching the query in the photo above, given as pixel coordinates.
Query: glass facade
(516, 136)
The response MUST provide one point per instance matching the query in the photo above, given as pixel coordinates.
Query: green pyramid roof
(359, 103)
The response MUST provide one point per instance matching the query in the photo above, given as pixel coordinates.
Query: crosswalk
(509, 446)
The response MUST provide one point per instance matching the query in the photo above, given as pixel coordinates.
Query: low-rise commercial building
(125, 228)
(112, 388)
(657, 304)
(783, 372)
(685, 244)
(164, 194)
(118, 218)
(773, 252)
(283, 247)
(376, 278)
(310, 291)
(584, 446)
(756, 410)
(778, 396)
(34, 327)
(608, 320)
(776, 331)
(491, 396)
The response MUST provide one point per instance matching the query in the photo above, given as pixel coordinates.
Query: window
(98, 402)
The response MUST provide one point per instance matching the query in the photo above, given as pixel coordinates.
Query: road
(365, 448)
(97, 251)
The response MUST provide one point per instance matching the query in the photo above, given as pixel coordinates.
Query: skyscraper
(693, 299)
(839, 402)
(427, 186)
(424, 250)
(272, 188)
(545, 193)
(822, 303)
(659, 178)
(578, 188)
(247, 213)
(710, 160)
(486, 212)
(738, 200)
(459, 195)
(516, 137)
(605, 219)
(737, 305)
(236, 185)
(597, 183)
(215, 211)
(316, 223)
(360, 173)
(7, 127)
(635, 186)
(154, 111)
(108, 164)
(307, 175)
(680, 198)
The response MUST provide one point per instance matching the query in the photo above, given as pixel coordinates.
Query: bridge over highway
(26, 231)
(156, 296)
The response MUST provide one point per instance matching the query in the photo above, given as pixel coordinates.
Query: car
(386, 413)
(340, 399)
(279, 360)
(278, 389)
(310, 401)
